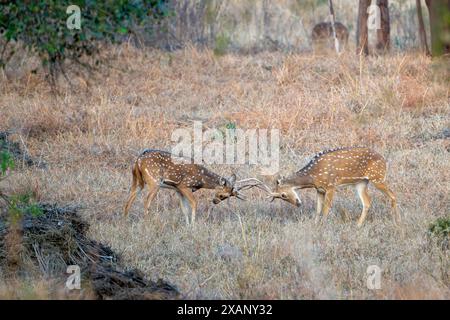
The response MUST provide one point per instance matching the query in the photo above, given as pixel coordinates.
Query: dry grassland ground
(398, 104)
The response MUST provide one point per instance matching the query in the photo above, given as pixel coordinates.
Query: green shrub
(441, 229)
(40, 26)
(17, 204)
(6, 162)
(221, 44)
(20, 204)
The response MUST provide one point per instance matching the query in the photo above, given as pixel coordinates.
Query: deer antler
(249, 183)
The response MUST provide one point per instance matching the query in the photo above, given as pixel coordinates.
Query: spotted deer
(157, 169)
(323, 33)
(334, 168)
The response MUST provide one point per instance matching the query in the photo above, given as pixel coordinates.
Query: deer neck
(211, 180)
(301, 180)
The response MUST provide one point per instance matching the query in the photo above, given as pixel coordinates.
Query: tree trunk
(440, 26)
(362, 32)
(422, 33)
(333, 26)
(383, 34)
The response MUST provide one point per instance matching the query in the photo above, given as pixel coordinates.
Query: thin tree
(362, 32)
(333, 26)
(422, 33)
(439, 26)
(383, 33)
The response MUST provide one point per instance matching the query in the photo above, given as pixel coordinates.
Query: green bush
(441, 227)
(222, 42)
(41, 27)
(6, 162)
(21, 204)
(441, 230)
(17, 204)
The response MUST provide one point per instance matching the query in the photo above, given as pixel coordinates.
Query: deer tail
(137, 176)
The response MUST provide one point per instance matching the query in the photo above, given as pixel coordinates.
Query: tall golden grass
(397, 104)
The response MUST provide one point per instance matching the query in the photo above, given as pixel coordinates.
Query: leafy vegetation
(221, 44)
(41, 27)
(17, 204)
(6, 162)
(441, 230)
(21, 204)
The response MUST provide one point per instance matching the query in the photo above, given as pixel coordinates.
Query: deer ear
(232, 179)
(223, 181)
(278, 182)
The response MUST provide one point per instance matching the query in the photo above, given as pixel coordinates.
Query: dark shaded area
(110, 283)
(56, 239)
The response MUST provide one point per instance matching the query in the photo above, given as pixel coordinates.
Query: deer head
(286, 190)
(226, 189)
(232, 188)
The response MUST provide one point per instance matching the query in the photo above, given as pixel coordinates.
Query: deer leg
(319, 206)
(188, 196)
(153, 190)
(132, 197)
(384, 188)
(361, 188)
(133, 193)
(328, 199)
(184, 206)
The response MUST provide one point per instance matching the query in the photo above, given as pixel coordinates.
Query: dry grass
(398, 104)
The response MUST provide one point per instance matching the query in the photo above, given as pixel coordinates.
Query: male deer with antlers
(157, 169)
(333, 168)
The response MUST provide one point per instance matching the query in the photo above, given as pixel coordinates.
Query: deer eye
(284, 195)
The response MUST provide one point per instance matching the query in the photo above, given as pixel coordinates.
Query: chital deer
(333, 168)
(157, 169)
(323, 33)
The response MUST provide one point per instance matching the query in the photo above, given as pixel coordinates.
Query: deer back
(344, 166)
(162, 166)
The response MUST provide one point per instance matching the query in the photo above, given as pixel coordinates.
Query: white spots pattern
(346, 165)
(158, 166)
